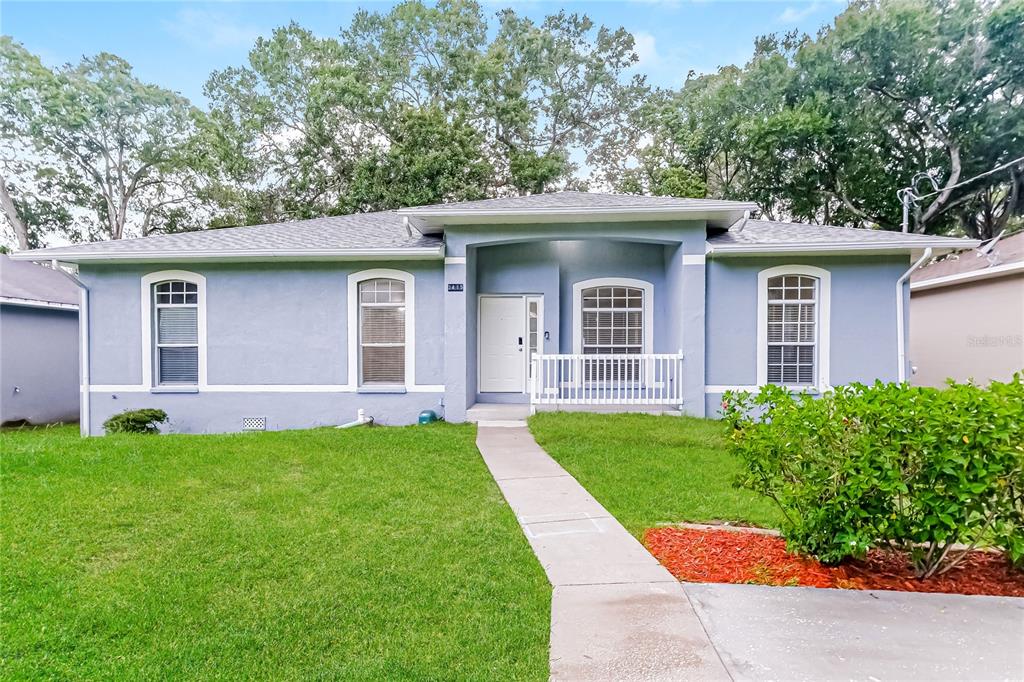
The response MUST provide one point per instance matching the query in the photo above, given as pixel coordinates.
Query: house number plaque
(456, 287)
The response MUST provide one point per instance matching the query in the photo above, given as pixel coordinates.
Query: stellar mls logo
(1008, 340)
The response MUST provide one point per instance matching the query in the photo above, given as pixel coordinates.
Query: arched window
(613, 320)
(382, 332)
(612, 315)
(175, 326)
(793, 326)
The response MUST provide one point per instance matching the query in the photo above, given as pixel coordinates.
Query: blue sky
(178, 44)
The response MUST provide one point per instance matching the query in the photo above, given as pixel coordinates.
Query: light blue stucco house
(565, 300)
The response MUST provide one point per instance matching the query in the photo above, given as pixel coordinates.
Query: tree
(430, 160)
(92, 148)
(317, 125)
(827, 129)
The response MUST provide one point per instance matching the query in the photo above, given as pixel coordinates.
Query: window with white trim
(176, 332)
(382, 331)
(792, 353)
(613, 322)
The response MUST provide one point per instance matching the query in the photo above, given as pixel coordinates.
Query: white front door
(503, 339)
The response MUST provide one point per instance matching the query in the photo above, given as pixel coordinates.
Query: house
(967, 315)
(38, 345)
(562, 300)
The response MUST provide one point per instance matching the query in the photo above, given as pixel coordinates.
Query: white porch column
(459, 331)
(691, 283)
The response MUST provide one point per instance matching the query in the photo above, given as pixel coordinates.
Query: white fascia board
(840, 248)
(34, 303)
(254, 255)
(972, 276)
(434, 220)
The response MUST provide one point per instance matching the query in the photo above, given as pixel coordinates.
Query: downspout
(85, 392)
(901, 315)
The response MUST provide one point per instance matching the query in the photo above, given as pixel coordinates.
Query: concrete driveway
(804, 633)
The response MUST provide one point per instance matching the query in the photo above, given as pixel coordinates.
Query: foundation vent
(254, 423)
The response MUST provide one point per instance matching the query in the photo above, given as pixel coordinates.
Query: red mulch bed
(728, 556)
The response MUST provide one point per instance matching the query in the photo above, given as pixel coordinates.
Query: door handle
(520, 344)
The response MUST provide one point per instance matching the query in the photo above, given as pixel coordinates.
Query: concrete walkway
(616, 613)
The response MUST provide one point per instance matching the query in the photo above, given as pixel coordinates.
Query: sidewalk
(616, 613)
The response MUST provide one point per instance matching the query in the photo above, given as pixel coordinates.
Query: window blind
(613, 322)
(177, 332)
(382, 331)
(792, 329)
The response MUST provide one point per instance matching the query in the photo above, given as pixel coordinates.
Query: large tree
(322, 125)
(830, 128)
(91, 151)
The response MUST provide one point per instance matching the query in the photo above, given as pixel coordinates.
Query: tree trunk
(11, 211)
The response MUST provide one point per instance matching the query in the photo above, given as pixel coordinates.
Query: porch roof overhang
(433, 219)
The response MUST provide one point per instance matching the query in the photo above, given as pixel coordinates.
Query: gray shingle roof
(767, 234)
(573, 200)
(357, 232)
(30, 282)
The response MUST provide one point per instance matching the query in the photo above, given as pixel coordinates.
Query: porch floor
(515, 414)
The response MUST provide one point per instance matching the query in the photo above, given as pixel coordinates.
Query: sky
(178, 44)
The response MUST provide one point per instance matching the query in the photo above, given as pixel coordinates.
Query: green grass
(362, 554)
(648, 470)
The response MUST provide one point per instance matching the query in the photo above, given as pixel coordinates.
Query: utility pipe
(901, 315)
(361, 419)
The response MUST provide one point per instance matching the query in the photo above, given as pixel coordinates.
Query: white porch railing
(614, 379)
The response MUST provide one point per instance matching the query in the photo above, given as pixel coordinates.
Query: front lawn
(648, 470)
(368, 554)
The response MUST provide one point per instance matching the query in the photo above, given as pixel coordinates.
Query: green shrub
(136, 421)
(910, 468)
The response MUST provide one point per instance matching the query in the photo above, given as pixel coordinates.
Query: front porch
(590, 317)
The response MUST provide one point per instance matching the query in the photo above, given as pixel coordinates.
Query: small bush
(136, 421)
(909, 468)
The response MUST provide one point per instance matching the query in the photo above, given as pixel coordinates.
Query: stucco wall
(267, 324)
(38, 364)
(863, 334)
(970, 331)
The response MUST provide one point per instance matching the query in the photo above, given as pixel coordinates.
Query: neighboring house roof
(363, 236)
(769, 236)
(1004, 256)
(411, 232)
(34, 285)
(575, 207)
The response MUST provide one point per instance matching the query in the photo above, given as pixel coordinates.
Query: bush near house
(915, 469)
(136, 421)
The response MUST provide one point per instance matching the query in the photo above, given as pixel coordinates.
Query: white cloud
(646, 48)
(211, 30)
(794, 15)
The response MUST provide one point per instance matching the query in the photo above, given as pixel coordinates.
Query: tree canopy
(89, 149)
(828, 129)
(430, 103)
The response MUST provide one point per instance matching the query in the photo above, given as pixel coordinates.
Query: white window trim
(821, 379)
(146, 300)
(577, 305)
(353, 325)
